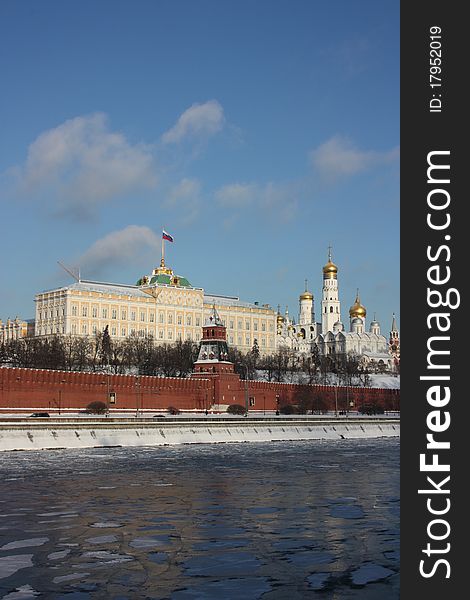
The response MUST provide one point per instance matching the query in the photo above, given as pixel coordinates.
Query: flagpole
(162, 262)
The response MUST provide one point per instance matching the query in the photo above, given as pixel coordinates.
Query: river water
(220, 522)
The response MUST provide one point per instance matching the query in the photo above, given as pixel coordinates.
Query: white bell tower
(330, 305)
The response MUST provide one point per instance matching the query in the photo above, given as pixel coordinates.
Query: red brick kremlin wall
(34, 389)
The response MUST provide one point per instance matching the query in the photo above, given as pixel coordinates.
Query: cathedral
(329, 336)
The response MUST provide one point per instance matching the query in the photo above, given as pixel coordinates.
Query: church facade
(329, 336)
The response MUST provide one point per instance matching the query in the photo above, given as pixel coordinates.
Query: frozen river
(222, 522)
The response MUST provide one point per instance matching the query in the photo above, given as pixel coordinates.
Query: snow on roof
(103, 287)
(231, 301)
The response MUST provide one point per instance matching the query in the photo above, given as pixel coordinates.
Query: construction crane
(76, 277)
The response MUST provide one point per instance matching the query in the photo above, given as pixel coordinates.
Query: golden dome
(357, 310)
(306, 295)
(290, 327)
(330, 270)
(280, 319)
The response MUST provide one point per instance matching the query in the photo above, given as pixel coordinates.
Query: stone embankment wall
(105, 433)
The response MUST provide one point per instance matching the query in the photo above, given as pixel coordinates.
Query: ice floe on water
(106, 557)
(59, 554)
(102, 539)
(25, 543)
(106, 524)
(317, 580)
(370, 572)
(147, 542)
(24, 592)
(12, 564)
(70, 577)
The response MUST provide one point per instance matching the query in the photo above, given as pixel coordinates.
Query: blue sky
(257, 133)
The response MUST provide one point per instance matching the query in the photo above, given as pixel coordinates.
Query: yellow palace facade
(162, 305)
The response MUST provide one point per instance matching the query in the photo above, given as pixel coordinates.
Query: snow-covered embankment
(37, 436)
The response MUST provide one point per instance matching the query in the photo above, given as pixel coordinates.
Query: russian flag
(167, 236)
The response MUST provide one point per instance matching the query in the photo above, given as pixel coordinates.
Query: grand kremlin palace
(163, 305)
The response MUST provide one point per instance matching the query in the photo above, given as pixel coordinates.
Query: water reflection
(218, 521)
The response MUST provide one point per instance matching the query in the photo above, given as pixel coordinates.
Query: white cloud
(198, 120)
(339, 157)
(81, 164)
(184, 199)
(124, 247)
(278, 201)
(236, 194)
(184, 190)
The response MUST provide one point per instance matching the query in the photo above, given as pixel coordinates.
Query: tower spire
(329, 253)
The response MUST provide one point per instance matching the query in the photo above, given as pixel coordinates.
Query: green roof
(165, 280)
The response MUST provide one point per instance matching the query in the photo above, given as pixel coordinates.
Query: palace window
(114, 314)
(247, 325)
(255, 326)
(123, 332)
(113, 331)
(198, 321)
(231, 324)
(160, 334)
(161, 318)
(152, 317)
(94, 312)
(142, 316)
(188, 320)
(123, 315)
(263, 326)
(84, 329)
(94, 330)
(170, 335)
(74, 310)
(84, 311)
(170, 319)
(179, 320)
(240, 324)
(104, 313)
(133, 315)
